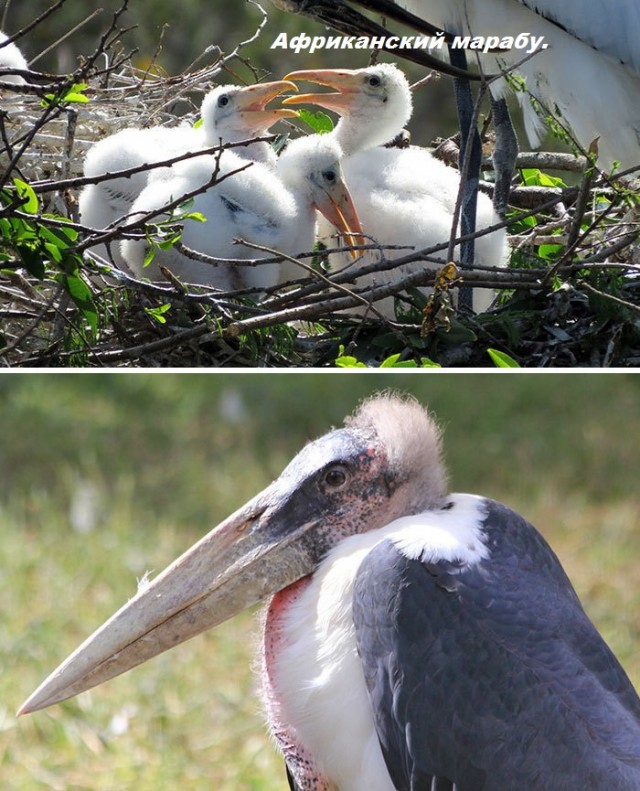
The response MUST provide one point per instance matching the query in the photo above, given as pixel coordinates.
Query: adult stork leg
(469, 136)
(442, 784)
(504, 154)
(504, 160)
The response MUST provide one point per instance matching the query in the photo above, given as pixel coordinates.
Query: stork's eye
(336, 477)
(374, 80)
(329, 176)
(223, 100)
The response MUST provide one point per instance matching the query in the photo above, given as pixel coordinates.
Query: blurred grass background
(106, 476)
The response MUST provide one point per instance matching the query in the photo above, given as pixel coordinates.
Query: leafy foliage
(72, 94)
(318, 122)
(502, 359)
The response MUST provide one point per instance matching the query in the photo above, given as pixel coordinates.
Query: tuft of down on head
(220, 117)
(305, 159)
(378, 111)
(412, 442)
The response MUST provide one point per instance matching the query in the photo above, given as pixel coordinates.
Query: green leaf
(158, 313)
(78, 98)
(80, 293)
(349, 362)
(557, 283)
(53, 237)
(320, 122)
(69, 234)
(522, 224)
(32, 260)
(21, 231)
(54, 252)
(73, 94)
(151, 254)
(346, 361)
(550, 252)
(26, 193)
(194, 215)
(502, 359)
(392, 362)
(533, 177)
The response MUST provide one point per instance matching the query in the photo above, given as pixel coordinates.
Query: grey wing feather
(492, 677)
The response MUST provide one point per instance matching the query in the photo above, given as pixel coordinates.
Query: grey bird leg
(442, 784)
(504, 154)
(465, 105)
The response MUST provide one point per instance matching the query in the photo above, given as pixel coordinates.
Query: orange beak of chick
(345, 82)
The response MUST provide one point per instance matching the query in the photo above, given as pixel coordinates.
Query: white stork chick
(311, 167)
(11, 57)
(404, 196)
(229, 114)
(275, 210)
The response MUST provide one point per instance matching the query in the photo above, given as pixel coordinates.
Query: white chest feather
(318, 677)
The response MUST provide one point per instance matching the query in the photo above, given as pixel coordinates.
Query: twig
(38, 20)
(68, 33)
(610, 297)
(314, 273)
(161, 345)
(56, 185)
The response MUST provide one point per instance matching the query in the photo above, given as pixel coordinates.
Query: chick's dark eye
(336, 477)
(374, 81)
(329, 175)
(223, 101)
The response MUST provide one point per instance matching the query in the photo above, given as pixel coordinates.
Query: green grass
(166, 464)
(190, 717)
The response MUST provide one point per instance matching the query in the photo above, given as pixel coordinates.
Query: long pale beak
(252, 104)
(257, 551)
(346, 82)
(338, 207)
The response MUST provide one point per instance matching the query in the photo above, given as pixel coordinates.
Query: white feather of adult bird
(586, 69)
(11, 57)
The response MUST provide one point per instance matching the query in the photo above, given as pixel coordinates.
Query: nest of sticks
(579, 306)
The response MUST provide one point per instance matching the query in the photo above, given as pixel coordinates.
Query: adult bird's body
(587, 72)
(404, 196)
(229, 114)
(11, 57)
(273, 209)
(416, 639)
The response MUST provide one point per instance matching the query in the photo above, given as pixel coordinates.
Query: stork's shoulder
(496, 567)
(471, 636)
(473, 530)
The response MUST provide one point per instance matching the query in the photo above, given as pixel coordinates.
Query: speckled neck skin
(389, 459)
(299, 761)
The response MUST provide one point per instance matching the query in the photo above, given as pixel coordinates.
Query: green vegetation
(105, 477)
